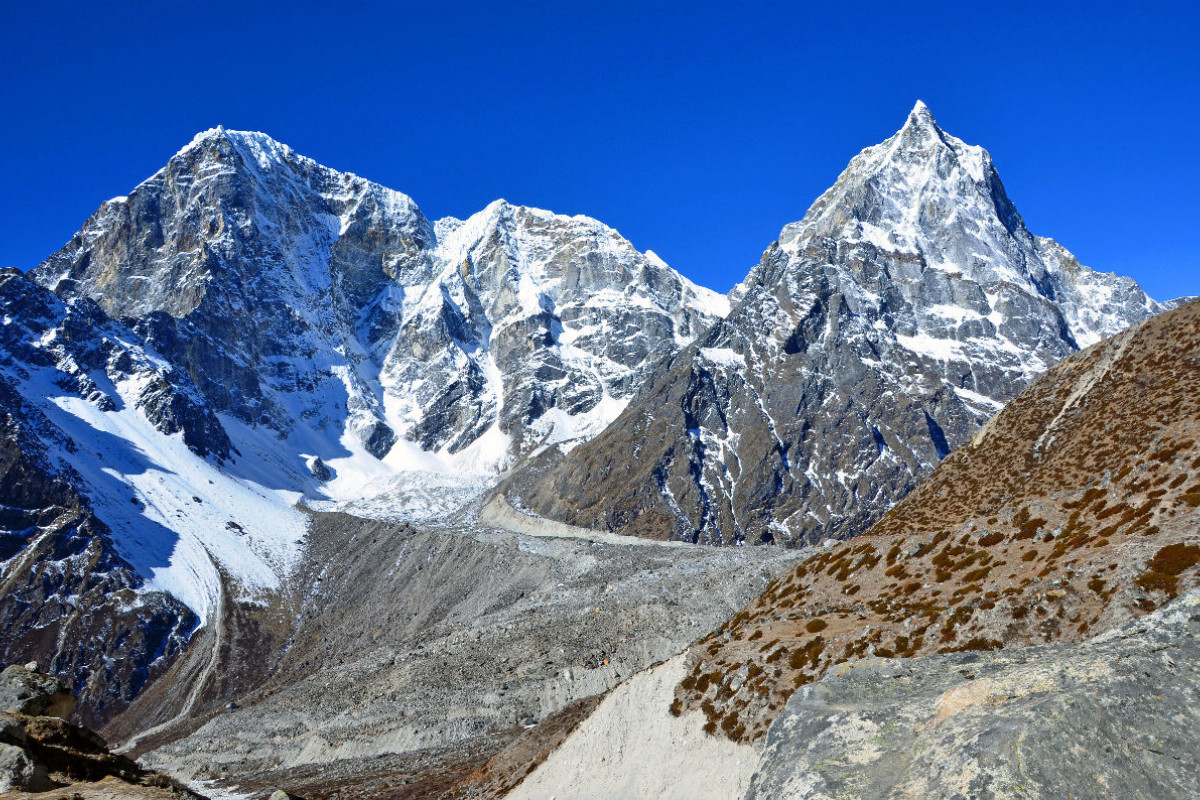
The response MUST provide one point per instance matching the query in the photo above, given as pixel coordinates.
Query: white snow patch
(724, 356)
(189, 515)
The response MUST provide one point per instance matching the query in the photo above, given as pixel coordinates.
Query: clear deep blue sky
(696, 130)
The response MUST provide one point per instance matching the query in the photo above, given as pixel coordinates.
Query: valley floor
(398, 659)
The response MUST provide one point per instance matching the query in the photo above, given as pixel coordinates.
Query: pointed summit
(920, 116)
(920, 129)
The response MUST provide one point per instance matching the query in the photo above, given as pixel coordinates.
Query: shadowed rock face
(41, 752)
(299, 297)
(875, 336)
(1112, 717)
(68, 600)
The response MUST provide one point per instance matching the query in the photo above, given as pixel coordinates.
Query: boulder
(19, 772)
(25, 691)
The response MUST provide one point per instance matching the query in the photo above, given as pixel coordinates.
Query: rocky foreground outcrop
(41, 752)
(1117, 716)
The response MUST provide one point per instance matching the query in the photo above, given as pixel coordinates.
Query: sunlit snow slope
(367, 356)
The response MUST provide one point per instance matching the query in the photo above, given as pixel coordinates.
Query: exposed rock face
(88, 355)
(69, 599)
(1073, 511)
(40, 751)
(557, 322)
(876, 335)
(1113, 717)
(318, 304)
(253, 269)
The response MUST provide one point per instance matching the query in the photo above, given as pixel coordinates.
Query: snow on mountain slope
(214, 519)
(347, 341)
(123, 419)
(122, 517)
(877, 334)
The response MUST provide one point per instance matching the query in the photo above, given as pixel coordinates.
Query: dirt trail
(198, 685)
(499, 513)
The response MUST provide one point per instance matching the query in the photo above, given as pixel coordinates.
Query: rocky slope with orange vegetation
(1072, 512)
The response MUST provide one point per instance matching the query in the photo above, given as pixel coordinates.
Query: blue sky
(697, 130)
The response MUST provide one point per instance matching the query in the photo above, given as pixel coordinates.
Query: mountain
(1024, 623)
(205, 391)
(328, 312)
(247, 331)
(876, 335)
(1070, 513)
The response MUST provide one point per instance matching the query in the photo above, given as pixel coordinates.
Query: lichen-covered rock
(40, 754)
(25, 691)
(1118, 716)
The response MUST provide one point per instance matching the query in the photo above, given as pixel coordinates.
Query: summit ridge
(877, 333)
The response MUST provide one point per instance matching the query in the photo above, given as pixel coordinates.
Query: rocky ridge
(329, 310)
(1070, 513)
(875, 336)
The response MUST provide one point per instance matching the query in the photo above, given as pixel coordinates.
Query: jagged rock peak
(921, 117)
(905, 309)
(222, 135)
(912, 187)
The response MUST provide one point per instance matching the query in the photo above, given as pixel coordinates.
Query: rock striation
(1111, 717)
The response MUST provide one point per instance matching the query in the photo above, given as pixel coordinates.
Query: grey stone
(23, 691)
(1105, 718)
(19, 772)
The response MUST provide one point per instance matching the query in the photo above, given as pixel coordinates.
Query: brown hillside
(1072, 511)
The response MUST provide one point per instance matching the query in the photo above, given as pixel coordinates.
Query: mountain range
(259, 406)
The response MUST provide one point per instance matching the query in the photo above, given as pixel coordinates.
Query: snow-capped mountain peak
(328, 310)
(906, 307)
